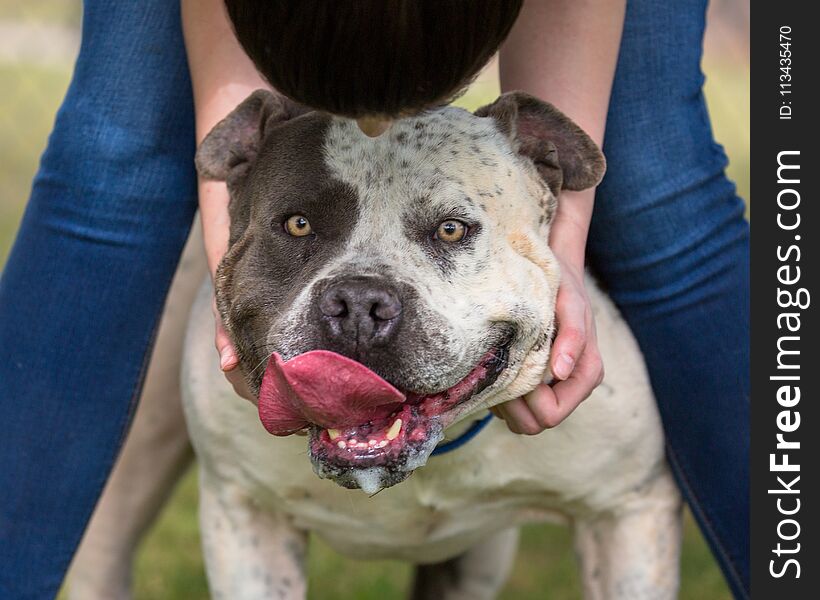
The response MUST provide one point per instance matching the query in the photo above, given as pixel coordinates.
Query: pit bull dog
(383, 293)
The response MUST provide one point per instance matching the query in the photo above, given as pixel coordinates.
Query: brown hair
(371, 57)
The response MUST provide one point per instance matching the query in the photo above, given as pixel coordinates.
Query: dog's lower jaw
(372, 462)
(373, 479)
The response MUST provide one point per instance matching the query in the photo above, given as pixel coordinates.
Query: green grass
(169, 564)
(28, 102)
(63, 12)
(727, 94)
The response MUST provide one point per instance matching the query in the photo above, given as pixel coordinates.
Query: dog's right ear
(229, 150)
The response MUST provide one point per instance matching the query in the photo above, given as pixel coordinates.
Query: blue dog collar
(465, 437)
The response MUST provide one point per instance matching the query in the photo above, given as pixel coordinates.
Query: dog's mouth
(364, 432)
(383, 452)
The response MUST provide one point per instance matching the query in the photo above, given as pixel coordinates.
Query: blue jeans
(112, 204)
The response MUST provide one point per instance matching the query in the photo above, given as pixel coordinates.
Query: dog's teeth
(341, 444)
(394, 430)
(381, 444)
(371, 442)
(352, 441)
(333, 433)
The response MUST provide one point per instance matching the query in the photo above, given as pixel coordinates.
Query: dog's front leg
(251, 553)
(634, 552)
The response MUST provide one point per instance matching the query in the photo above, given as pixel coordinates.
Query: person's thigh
(85, 282)
(669, 241)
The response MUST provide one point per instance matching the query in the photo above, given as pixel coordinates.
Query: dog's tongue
(323, 388)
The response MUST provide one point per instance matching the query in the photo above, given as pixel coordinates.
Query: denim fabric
(84, 285)
(113, 201)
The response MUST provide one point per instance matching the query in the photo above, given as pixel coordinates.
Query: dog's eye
(451, 231)
(298, 226)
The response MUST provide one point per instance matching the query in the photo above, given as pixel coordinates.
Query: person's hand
(575, 363)
(213, 207)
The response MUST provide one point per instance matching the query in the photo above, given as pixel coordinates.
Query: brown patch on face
(523, 245)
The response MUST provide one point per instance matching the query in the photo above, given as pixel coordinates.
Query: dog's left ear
(563, 153)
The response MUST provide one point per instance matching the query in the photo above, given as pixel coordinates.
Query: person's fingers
(547, 406)
(228, 359)
(572, 317)
(519, 417)
(229, 362)
(216, 220)
(240, 386)
(216, 223)
(552, 404)
(547, 410)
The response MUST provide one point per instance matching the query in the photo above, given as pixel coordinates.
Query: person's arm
(565, 52)
(222, 76)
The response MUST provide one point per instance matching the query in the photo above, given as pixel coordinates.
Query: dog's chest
(497, 480)
(442, 509)
(439, 511)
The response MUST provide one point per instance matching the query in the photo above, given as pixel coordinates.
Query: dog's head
(379, 290)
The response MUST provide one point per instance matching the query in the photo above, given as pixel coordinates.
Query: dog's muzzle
(364, 432)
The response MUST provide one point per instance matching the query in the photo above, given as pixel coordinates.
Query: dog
(384, 293)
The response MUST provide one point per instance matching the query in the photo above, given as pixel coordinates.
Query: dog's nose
(360, 312)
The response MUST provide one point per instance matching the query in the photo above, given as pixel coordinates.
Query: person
(113, 201)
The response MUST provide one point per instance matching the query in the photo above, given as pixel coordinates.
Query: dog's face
(421, 254)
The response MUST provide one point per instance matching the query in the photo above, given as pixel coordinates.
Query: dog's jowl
(383, 293)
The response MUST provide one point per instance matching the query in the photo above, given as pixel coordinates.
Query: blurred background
(39, 40)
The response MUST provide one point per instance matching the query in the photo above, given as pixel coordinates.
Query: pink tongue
(324, 388)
